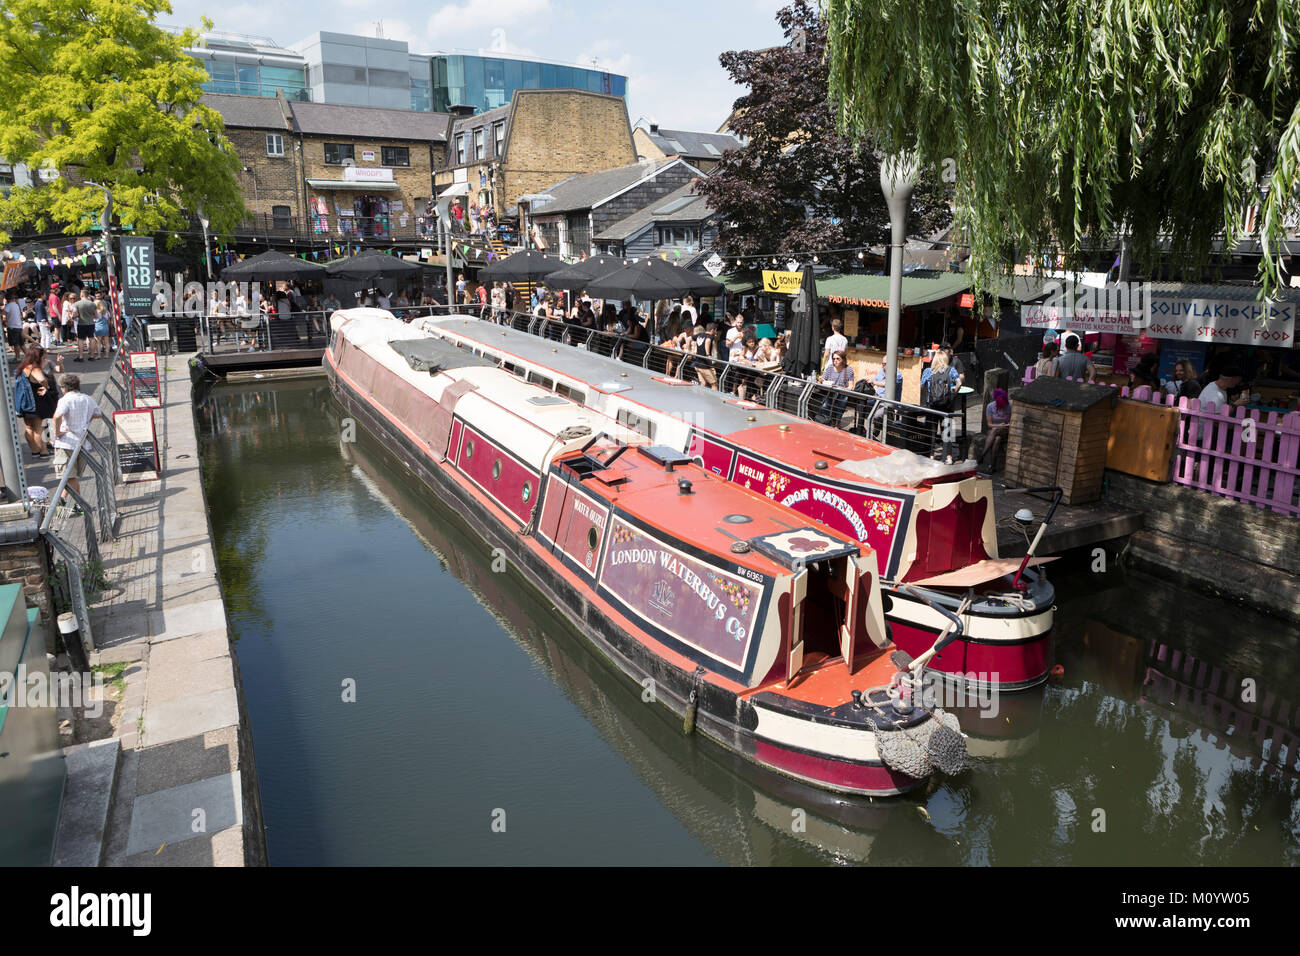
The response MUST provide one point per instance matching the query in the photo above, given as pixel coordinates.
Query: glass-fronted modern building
(486, 82)
(344, 69)
(251, 66)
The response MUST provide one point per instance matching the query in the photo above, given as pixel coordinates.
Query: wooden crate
(1059, 436)
(1142, 439)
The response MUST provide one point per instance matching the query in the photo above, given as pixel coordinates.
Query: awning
(872, 292)
(735, 285)
(354, 187)
(454, 190)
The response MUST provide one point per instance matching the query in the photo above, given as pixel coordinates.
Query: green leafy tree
(797, 185)
(1073, 122)
(96, 90)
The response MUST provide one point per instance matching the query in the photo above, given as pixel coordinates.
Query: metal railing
(926, 431)
(75, 533)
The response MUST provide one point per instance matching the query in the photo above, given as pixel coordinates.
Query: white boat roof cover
(700, 405)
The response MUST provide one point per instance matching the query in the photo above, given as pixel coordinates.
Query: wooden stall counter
(866, 363)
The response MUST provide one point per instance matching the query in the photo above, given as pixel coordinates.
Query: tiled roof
(693, 211)
(675, 142)
(484, 119)
(246, 112)
(590, 189)
(360, 122)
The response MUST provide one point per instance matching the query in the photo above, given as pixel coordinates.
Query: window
(462, 146)
(499, 139)
(336, 153)
(397, 155)
(575, 394)
(274, 144)
(281, 217)
(478, 144)
(631, 420)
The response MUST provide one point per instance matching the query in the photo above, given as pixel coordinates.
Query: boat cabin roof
(713, 516)
(693, 402)
(786, 438)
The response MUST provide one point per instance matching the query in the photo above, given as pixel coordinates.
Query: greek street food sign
(711, 610)
(782, 283)
(1111, 309)
(137, 444)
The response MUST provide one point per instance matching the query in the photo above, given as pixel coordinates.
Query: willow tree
(97, 91)
(1073, 123)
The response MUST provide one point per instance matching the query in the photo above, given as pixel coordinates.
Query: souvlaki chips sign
(701, 605)
(1130, 308)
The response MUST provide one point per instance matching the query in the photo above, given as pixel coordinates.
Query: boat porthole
(469, 449)
(593, 538)
(528, 490)
(888, 602)
(496, 470)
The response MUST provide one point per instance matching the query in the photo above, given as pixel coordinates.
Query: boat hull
(756, 732)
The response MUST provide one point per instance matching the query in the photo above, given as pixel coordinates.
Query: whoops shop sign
(782, 283)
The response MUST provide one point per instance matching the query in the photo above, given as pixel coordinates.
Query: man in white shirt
(689, 314)
(1216, 393)
(72, 416)
(835, 342)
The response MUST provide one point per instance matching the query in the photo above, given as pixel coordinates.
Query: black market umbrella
(687, 282)
(270, 266)
(372, 264)
(576, 277)
(527, 265)
(653, 278)
(169, 263)
(804, 353)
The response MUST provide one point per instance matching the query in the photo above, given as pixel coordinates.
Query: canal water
(412, 704)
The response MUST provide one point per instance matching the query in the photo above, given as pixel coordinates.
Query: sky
(668, 49)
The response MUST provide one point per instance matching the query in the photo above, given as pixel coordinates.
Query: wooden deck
(1073, 526)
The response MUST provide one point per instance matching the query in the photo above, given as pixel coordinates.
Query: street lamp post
(897, 180)
(106, 230)
(207, 255)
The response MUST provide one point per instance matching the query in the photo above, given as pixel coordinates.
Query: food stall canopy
(872, 291)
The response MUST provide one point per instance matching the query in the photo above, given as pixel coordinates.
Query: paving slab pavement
(185, 780)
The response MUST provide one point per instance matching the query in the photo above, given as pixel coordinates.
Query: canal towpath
(169, 780)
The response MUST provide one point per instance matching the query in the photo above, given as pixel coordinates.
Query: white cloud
(490, 20)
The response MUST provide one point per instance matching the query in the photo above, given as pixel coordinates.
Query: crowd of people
(57, 317)
(1222, 386)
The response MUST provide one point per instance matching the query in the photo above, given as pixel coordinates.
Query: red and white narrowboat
(931, 526)
(764, 633)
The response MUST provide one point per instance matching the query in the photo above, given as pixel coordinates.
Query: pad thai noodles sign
(711, 610)
(1133, 308)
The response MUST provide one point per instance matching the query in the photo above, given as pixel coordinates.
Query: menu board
(137, 444)
(145, 392)
(851, 324)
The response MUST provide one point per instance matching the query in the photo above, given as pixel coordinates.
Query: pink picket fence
(1235, 452)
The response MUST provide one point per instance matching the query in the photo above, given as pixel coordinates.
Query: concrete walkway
(185, 792)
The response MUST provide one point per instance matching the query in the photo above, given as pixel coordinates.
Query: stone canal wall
(1213, 544)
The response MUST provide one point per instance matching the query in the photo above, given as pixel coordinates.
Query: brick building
(540, 138)
(583, 207)
(333, 172)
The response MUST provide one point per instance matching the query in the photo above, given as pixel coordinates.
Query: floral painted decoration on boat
(776, 483)
(883, 513)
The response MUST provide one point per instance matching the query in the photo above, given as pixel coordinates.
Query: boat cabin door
(824, 613)
(798, 591)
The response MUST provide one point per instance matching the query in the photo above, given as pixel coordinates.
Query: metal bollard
(71, 634)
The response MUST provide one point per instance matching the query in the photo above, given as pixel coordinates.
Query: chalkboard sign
(137, 444)
(144, 380)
